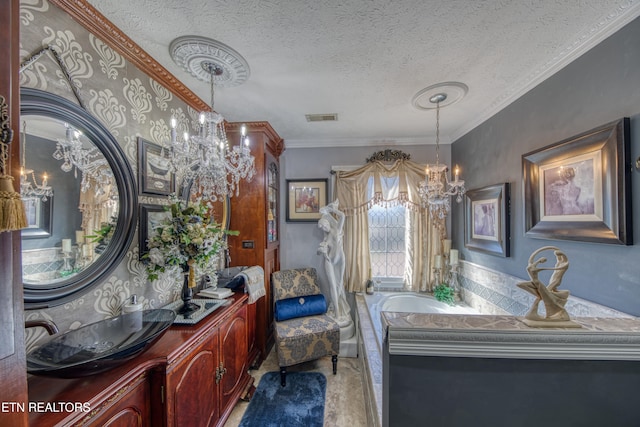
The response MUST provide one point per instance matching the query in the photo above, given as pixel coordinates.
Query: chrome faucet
(47, 324)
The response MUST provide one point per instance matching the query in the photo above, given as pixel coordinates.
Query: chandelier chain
(437, 189)
(438, 132)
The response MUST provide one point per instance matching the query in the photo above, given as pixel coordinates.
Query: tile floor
(344, 406)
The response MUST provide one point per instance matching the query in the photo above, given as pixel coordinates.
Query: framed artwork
(39, 217)
(487, 219)
(305, 198)
(150, 217)
(154, 176)
(580, 188)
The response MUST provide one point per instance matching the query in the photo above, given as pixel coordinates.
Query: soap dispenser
(132, 305)
(132, 312)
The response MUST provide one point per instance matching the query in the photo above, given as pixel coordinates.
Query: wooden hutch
(255, 213)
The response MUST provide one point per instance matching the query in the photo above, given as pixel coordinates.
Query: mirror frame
(37, 102)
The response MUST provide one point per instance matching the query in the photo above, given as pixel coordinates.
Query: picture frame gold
(305, 197)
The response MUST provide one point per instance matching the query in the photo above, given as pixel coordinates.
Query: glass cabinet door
(272, 202)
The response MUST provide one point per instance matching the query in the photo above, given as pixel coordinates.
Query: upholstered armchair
(303, 330)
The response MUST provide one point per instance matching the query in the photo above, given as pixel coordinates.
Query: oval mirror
(79, 196)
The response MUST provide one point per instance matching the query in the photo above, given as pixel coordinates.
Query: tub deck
(409, 326)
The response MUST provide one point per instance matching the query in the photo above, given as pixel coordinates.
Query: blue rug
(299, 403)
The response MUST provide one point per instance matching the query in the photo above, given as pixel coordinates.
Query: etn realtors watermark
(44, 407)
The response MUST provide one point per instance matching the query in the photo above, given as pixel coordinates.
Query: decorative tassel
(12, 214)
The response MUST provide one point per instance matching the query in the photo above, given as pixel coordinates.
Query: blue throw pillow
(290, 308)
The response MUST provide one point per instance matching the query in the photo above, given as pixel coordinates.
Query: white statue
(553, 299)
(332, 223)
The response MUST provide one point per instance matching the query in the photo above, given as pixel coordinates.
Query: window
(387, 235)
(387, 243)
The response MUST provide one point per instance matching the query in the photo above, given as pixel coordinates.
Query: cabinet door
(191, 390)
(131, 410)
(273, 195)
(252, 345)
(233, 356)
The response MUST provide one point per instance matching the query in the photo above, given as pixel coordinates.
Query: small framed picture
(305, 198)
(154, 175)
(150, 217)
(580, 188)
(487, 220)
(39, 217)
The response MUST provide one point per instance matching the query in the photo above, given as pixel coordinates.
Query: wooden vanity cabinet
(190, 392)
(193, 376)
(255, 214)
(130, 409)
(205, 380)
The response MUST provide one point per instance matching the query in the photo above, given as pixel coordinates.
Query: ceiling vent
(322, 117)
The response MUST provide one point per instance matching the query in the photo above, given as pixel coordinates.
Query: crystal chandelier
(205, 160)
(436, 190)
(29, 187)
(94, 168)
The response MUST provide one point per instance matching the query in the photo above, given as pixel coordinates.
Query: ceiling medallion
(454, 91)
(195, 55)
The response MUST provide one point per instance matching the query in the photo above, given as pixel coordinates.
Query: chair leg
(283, 376)
(334, 360)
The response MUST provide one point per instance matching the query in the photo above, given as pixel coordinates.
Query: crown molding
(590, 37)
(96, 23)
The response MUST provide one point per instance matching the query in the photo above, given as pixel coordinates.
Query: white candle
(453, 256)
(438, 262)
(85, 251)
(446, 245)
(79, 236)
(66, 245)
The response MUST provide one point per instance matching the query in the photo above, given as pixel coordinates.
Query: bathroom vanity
(192, 376)
(461, 370)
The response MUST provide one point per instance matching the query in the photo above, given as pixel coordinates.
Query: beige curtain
(96, 208)
(422, 239)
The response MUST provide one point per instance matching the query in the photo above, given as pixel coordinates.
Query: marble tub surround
(499, 336)
(408, 329)
(494, 370)
(494, 292)
(370, 358)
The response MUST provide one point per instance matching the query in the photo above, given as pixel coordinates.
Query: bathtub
(370, 339)
(408, 302)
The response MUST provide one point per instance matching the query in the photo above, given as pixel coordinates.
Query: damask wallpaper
(131, 105)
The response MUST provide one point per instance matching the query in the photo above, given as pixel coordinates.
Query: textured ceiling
(366, 59)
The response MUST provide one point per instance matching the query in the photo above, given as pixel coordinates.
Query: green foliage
(105, 233)
(444, 293)
(190, 234)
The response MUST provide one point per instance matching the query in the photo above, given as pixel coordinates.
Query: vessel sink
(99, 346)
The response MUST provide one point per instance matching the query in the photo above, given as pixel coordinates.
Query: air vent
(322, 117)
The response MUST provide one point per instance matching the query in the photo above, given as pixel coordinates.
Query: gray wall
(466, 391)
(601, 86)
(299, 241)
(66, 187)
